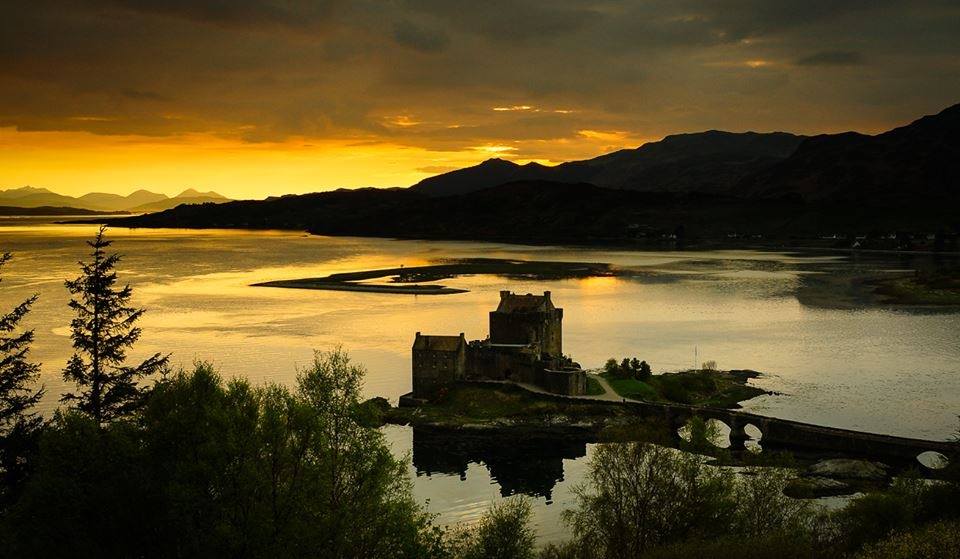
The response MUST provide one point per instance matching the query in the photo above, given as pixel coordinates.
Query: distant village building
(525, 346)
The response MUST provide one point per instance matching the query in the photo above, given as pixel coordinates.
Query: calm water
(832, 362)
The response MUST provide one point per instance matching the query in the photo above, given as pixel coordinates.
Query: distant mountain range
(141, 201)
(920, 159)
(718, 185)
(710, 162)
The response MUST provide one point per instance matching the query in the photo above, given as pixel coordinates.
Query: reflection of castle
(522, 462)
(525, 346)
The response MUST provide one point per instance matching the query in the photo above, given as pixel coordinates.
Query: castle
(525, 346)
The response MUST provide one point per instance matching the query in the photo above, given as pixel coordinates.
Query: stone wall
(564, 382)
(485, 362)
(544, 328)
(434, 370)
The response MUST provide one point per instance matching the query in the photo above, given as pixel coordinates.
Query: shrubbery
(631, 368)
(215, 469)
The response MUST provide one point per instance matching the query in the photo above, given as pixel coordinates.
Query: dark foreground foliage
(214, 469)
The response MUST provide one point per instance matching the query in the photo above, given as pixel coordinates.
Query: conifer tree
(18, 420)
(103, 330)
(17, 399)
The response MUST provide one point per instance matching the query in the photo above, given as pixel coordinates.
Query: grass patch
(706, 388)
(633, 388)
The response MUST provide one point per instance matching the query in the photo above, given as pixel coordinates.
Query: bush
(628, 368)
(763, 509)
(611, 367)
(937, 541)
(673, 389)
(768, 546)
(874, 516)
(638, 496)
(503, 532)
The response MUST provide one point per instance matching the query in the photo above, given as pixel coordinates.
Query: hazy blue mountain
(138, 201)
(30, 197)
(189, 196)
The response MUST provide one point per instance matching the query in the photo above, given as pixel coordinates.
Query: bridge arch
(933, 460)
(715, 431)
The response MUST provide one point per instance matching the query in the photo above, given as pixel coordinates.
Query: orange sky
(75, 163)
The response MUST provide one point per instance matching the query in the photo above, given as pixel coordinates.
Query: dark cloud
(295, 13)
(832, 58)
(419, 38)
(139, 95)
(429, 72)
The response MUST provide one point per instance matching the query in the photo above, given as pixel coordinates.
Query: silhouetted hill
(551, 212)
(873, 187)
(712, 162)
(491, 172)
(50, 210)
(920, 161)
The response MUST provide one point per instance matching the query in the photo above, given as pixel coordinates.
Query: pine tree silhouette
(103, 330)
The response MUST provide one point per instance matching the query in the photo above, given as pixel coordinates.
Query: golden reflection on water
(843, 367)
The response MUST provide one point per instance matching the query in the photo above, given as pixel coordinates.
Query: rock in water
(815, 487)
(845, 468)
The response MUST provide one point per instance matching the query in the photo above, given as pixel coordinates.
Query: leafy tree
(18, 420)
(638, 496)
(207, 468)
(503, 532)
(103, 330)
(764, 509)
(611, 367)
(643, 371)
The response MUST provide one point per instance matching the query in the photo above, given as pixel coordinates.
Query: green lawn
(632, 388)
(708, 388)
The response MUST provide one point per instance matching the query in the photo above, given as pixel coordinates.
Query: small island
(407, 280)
(939, 287)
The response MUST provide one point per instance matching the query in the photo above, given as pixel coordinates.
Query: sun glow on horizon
(75, 163)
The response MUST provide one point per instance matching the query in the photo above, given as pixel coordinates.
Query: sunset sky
(252, 98)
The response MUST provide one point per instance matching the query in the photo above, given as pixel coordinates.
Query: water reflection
(520, 463)
(859, 367)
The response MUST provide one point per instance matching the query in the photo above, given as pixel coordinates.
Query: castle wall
(486, 362)
(523, 328)
(566, 383)
(434, 370)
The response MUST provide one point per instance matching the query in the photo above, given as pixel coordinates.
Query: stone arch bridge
(788, 434)
(781, 434)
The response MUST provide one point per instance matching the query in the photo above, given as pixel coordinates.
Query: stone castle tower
(528, 320)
